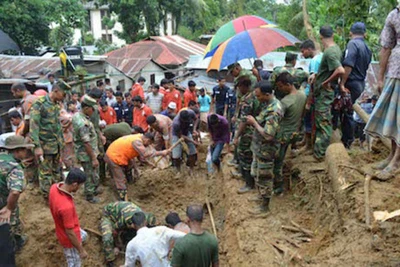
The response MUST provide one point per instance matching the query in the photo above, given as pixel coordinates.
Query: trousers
(323, 123)
(263, 172)
(92, 178)
(49, 172)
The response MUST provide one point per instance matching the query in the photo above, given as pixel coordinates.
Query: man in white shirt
(151, 245)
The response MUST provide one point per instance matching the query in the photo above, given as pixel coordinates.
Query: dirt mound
(303, 228)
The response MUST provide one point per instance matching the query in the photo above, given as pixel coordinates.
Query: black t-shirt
(220, 95)
(357, 56)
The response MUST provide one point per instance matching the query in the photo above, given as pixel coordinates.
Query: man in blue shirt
(219, 96)
(356, 62)
(308, 50)
(121, 109)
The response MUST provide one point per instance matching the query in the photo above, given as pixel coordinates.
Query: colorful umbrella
(252, 43)
(233, 27)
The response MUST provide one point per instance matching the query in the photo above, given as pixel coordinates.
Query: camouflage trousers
(263, 172)
(245, 155)
(92, 178)
(281, 154)
(107, 229)
(323, 122)
(30, 166)
(100, 158)
(16, 228)
(49, 172)
(68, 155)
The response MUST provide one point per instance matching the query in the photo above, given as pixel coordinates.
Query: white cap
(172, 105)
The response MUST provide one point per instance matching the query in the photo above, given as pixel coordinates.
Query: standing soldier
(300, 76)
(264, 145)
(117, 217)
(85, 145)
(12, 184)
(29, 163)
(291, 125)
(248, 105)
(46, 134)
(101, 140)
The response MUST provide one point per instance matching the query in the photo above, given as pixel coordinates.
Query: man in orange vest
(121, 154)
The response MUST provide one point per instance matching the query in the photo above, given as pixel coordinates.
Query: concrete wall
(148, 70)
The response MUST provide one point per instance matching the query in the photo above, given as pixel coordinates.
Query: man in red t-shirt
(107, 113)
(137, 88)
(190, 94)
(140, 113)
(62, 207)
(172, 96)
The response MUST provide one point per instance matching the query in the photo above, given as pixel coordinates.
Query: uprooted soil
(326, 238)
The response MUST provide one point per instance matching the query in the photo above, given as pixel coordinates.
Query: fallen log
(335, 156)
(365, 117)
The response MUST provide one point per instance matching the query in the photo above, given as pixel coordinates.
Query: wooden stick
(93, 231)
(306, 231)
(172, 147)
(211, 217)
(321, 188)
(367, 207)
(352, 168)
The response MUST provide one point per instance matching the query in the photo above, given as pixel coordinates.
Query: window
(89, 21)
(104, 37)
(152, 79)
(121, 84)
(103, 13)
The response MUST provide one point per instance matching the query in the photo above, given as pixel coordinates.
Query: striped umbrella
(252, 43)
(233, 27)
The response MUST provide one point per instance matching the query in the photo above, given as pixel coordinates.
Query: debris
(385, 215)
(366, 193)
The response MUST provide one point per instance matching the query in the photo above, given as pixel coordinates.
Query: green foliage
(103, 47)
(27, 22)
(60, 37)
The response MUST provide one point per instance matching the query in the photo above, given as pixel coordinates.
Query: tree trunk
(308, 26)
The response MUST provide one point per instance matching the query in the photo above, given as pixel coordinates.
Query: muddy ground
(327, 238)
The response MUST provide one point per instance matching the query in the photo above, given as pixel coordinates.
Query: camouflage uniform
(248, 105)
(300, 78)
(245, 72)
(11, 178)
(95, 119)
(84, 132)
(116, 217)
(265, 151)
(46, 133)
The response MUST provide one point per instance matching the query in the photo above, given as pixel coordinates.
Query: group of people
(262, 116)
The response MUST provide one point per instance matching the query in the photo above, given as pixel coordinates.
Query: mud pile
(303, 228)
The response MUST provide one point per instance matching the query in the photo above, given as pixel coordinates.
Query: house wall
(148, 70)
(116, 77)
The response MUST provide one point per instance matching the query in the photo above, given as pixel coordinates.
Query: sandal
(386, 174)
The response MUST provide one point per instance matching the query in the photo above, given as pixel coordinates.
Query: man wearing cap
(190, 94)
(46, 134)
(162, 126)
(85, 146)
(30, 163)
(237, 71)
(265, 145)
(300, 76)
(330, 71)
(12, 184)
(117, 217)
(170, 112)
(121, 154)
(356, 62)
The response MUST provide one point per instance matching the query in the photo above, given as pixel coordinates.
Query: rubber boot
(122, 194)
(92, 199)
(249, 186)
(263, 208)
(129, 176)
(110, 264)
(20, 241)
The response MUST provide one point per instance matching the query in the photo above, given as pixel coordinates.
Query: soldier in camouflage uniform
(12, 183)
(291, 125)
(46, 134)
(117, 217)
(248, 105)
(29, 163)
(85, 146)
(95, 119)
(300, 76)
(264, 145)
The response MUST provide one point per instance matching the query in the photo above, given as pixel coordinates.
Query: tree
(109, 24)
(60, 37)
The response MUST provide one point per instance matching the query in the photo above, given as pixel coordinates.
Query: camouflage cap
(150, 218)
(16, 141)
(89, 101)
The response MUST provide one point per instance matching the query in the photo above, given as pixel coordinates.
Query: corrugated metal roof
(27, 66)
(163, 50)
